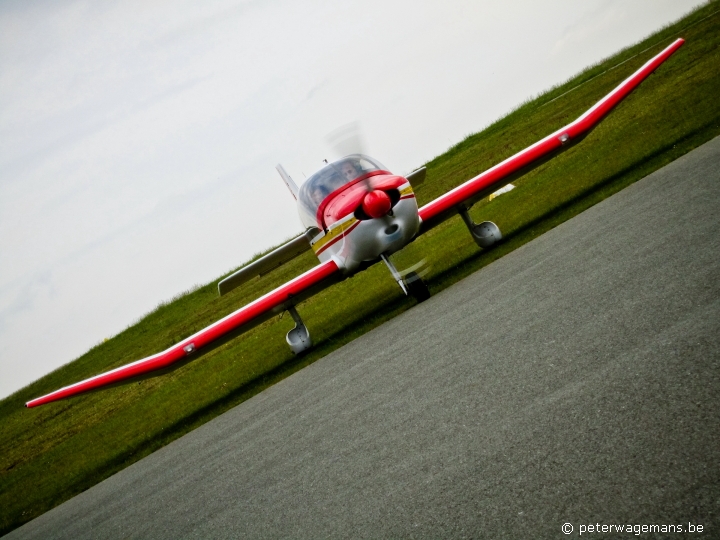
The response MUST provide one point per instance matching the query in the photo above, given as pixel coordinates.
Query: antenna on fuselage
(288, 181)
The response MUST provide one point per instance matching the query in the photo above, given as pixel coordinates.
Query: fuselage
(361, 211)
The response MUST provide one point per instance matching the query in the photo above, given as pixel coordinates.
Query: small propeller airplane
(356, 213)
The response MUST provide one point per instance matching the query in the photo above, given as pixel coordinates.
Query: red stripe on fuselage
(344, 201)
(338, 191)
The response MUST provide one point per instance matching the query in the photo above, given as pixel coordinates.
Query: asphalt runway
(575, 380)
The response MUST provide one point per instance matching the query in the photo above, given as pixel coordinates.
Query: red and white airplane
(356, 213)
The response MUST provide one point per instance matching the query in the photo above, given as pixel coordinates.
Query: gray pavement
(573, 381)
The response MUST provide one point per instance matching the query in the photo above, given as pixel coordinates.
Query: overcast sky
(138, 140)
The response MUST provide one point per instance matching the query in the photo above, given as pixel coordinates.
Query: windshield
(328, 179)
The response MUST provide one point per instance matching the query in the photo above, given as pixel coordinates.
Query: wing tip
(41, 400)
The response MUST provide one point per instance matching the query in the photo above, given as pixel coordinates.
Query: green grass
(51, 453)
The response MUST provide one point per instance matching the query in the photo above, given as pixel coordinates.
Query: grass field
(51, 453)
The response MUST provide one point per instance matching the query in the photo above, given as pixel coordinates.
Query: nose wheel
(417, 288)
(412, 284)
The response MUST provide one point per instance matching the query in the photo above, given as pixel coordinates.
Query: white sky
(138, 140)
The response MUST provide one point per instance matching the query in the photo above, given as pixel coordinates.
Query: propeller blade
(347, 140)
(420, 268)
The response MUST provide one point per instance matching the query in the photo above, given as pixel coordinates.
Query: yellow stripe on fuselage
(338, 229)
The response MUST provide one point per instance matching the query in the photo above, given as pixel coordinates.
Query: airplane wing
(265, 307)
(465, 195)
(288, 251)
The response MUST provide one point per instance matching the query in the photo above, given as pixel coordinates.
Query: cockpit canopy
(328, 179)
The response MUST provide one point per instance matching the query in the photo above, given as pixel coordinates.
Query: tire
(417, 287)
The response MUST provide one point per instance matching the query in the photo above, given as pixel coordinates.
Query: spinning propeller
(348, 140)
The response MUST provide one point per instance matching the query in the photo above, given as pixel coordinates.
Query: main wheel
(417, 287)
(486, 234)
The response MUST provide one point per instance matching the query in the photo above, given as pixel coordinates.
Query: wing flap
(188, 349)
(278, 257)
(417, 177)
(524, 161)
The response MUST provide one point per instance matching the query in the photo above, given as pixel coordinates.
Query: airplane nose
(376, 204)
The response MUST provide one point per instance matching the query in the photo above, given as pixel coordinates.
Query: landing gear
(299, 337)
(412, 284)
(417, 287)
(485, 234)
